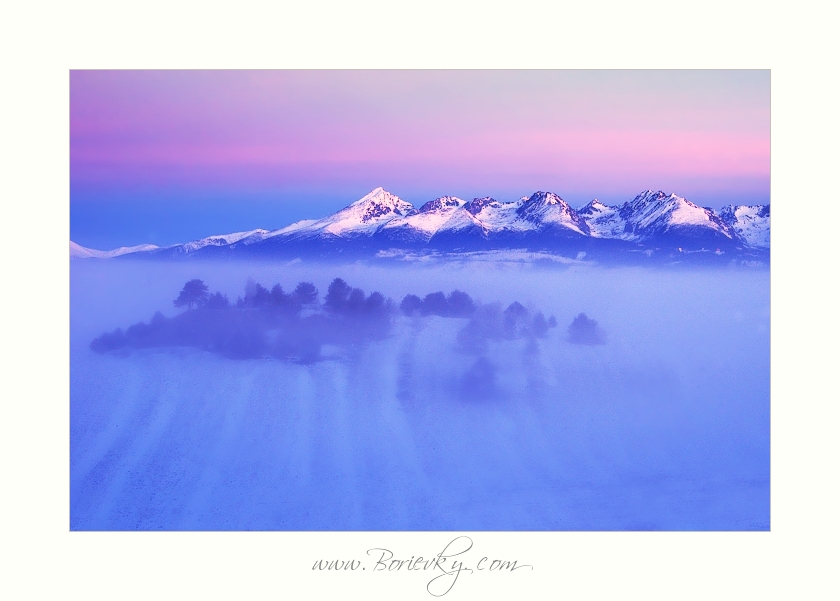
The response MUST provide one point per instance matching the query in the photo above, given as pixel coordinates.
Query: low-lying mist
(483, 396)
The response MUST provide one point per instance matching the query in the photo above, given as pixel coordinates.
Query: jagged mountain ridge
(750, 222)
(543, 220)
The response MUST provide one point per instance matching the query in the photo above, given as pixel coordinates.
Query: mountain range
(651, 224)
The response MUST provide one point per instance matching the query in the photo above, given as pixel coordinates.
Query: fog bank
(485, 419)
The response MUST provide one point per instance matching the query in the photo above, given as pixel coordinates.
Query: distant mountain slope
(80, 252)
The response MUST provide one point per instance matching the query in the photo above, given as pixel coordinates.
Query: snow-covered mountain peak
(650, 201)
(379, 202)
(364, 216)
(546, 198)
(592, 207)
(441, 204)
(650, 195)
(373, 195)
(548, 209)
(604, 221)
(441, 214)
(651, 213)
(475, 206)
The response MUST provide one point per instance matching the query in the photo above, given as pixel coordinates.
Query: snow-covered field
(666, 426)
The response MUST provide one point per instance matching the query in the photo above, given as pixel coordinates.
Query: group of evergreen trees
(296, 325)
(341, 298)
(457, 304)
(261, 323)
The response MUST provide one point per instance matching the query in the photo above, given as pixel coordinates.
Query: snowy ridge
(384, 219)
(436, 215)
(290, 229)
(226, 239)
(750, 222)
(498, 217)
(80, 252)
(604, 221)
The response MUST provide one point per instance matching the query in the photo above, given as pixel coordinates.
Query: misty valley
(451, 395)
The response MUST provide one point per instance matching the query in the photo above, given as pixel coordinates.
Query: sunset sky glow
(169, 156)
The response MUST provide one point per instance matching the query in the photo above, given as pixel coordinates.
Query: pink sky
(295, 136)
